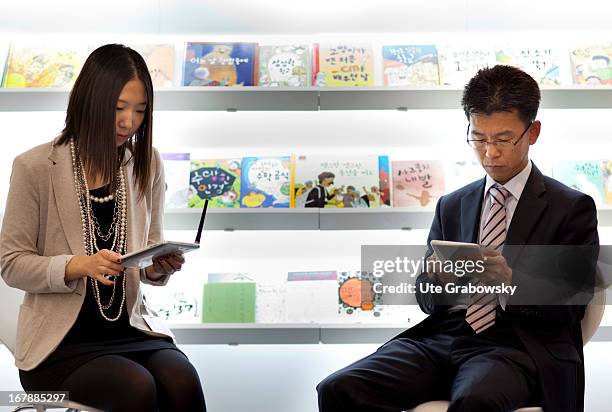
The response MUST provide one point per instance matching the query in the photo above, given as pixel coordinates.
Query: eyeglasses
(501, 143)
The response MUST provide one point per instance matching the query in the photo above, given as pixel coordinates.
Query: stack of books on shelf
(292, 181)
(305, 297)
(339, 64)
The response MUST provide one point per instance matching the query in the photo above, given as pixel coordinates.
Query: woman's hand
(99, 266)
(165, 265)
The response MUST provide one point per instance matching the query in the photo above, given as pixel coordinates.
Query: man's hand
(496, 270)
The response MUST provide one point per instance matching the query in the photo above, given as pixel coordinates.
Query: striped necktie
(480, 313)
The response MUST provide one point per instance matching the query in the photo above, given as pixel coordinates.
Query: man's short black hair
(324, 175)
(502, 89)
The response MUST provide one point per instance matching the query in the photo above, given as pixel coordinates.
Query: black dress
(91, 335)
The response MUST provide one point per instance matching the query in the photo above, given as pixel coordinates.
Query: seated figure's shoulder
(36, 158)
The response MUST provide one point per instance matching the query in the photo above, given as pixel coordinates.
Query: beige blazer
(41, 232)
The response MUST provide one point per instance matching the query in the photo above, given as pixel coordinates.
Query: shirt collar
(515, 185)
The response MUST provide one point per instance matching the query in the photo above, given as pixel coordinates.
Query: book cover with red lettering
(343, 65)
(417, 183)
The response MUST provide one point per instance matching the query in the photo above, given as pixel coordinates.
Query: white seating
(592, 318)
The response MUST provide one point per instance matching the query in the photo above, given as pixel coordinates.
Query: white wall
(315, 16)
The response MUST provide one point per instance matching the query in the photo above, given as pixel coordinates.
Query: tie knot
(499, 194)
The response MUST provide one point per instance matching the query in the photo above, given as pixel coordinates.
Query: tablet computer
(448, 250)
(144, 257)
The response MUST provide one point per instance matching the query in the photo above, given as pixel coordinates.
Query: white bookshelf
(312, 219)
(306, 98)
(253, 333)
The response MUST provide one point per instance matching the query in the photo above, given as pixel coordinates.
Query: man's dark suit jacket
(318, 197)
(548, 213)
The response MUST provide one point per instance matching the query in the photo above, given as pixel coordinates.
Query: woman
(75, 205)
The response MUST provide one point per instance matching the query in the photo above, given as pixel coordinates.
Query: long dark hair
(91, 115)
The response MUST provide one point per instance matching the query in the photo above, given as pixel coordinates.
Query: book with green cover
(229, 302)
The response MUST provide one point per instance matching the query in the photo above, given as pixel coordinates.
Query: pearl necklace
(101, 199)
(90, 227)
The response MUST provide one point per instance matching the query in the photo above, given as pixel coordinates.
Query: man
(488, 352)
(322, 193)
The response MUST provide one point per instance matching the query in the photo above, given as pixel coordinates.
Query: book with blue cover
(410, 65)
(220, 64)
(265, 182)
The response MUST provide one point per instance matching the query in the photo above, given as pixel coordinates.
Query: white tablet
(448, 250)
(144, 257)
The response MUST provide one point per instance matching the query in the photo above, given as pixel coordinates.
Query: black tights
(162, 380)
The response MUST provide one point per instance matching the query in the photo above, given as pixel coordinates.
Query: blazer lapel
(66, 200)
(528, 211)
(471, 204)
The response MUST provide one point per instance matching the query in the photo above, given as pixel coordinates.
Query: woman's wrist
(74, 268)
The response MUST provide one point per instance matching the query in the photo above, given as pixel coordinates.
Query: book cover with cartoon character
(266, 182)
(341, 181)
(217, 180)
(219, 64)
(410, 65)
(592, 64)
(417, 183)
(543, 63)
(40, 65)
(284, 66)
(343, 65)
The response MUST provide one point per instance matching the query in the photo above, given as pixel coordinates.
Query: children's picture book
(410, 65)
(40, 65)
(542, 63)
(592, 64)
(229, 302)
(417, 183)
(176, 176)
(458, 64)
(343, 65)
(4, 49)
(174, 304)
(357, 298)
(312, 297)
(341, 181)
(217, 180)
(266, 182)
(160, 61)
(585, 176)
(219, 64)
(284, 66)
(606, 170)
